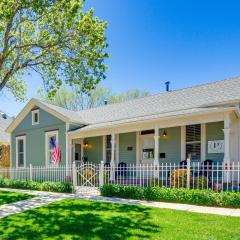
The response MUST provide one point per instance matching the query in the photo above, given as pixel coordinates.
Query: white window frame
(201, 142)
(142, 138)
(47, 136)
(24, 151)
(33, 114)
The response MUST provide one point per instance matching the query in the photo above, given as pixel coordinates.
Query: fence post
(74, 175)
(101, 175)
(188, 171)
(31, 172)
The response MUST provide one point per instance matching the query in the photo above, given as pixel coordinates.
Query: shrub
(179, 178)
(106, 176)
(181, 195)
(45, 186)
(200, 182)
(156, 182)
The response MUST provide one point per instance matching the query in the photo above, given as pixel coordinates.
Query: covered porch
(206, 137)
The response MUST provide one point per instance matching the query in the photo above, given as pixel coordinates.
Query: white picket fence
(60, 173)
(88, 177)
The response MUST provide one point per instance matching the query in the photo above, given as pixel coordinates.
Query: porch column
(112, 170)
(156, 147)
(104, 148)
(227, 132)
(113, 149)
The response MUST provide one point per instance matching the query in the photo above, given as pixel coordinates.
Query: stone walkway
(43, 198)
(17, 207)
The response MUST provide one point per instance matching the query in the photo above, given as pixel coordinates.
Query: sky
(186, 42)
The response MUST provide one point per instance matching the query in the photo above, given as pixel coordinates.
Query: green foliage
(179, 178)
(156, 182)
(9, 197)
(106, 176)
(72, 219)
(200, 182)
(57, 39)
(181, 195)
(74, 99)
(45, 186)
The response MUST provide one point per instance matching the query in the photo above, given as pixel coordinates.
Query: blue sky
(186, 42)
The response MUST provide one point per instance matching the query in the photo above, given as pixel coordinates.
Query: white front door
(147, 149)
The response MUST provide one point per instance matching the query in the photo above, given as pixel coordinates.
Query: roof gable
(60, 113)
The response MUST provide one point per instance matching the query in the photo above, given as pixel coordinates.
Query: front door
(147, 149)
(77, 152)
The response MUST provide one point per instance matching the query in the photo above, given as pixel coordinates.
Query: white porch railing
(217, 176)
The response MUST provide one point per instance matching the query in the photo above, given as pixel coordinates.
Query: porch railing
(216, 176)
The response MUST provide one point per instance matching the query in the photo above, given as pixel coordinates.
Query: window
(35, 117)
(147, 148)
(193, 141)
(49, 138)
(21, 151)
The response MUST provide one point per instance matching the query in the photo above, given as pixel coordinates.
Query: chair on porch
(122, 169)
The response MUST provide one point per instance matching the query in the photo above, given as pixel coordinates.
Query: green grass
(10, 197)
(76, 219)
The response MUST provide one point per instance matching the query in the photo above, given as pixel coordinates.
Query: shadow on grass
(10, 197)
(73, 219)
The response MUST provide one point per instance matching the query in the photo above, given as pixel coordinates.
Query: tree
(55, 38)
(73, 99)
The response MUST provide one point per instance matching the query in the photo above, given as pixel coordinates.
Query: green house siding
(94, 152)
(214, 131)
(35, 138)
(170, 145)
(127, 148)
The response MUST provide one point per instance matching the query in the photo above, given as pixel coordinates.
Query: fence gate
(86, 178)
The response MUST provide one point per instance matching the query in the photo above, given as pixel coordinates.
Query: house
(5, 120)
(203, 121)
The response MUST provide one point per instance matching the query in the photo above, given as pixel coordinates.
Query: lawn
(76, 219)
(9, 197)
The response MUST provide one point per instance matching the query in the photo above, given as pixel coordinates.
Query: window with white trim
(21, 151)
(193, 141)
(35, 117)
(49, 137)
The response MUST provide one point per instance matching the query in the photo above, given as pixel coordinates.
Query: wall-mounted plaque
(216, 146)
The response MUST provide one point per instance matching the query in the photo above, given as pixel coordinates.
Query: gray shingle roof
(4, 123)
(192, 98)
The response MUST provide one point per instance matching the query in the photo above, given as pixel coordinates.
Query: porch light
(86, 145)
(164, 133)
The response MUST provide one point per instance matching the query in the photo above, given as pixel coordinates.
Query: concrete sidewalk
(48, 197)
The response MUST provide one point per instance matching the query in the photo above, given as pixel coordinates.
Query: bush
(181, 195)
(179, 178)
(157, 182)
(200, 182)
(45, 186)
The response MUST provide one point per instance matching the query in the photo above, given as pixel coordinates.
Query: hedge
(44, 186)
(181, 195)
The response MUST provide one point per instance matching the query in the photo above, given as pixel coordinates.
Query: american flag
(55, 151)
